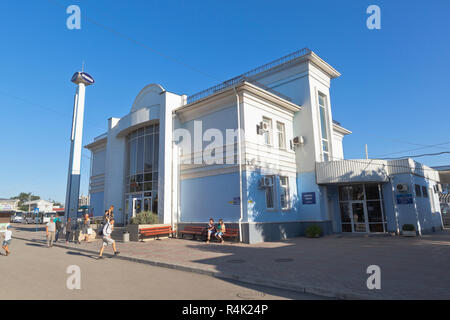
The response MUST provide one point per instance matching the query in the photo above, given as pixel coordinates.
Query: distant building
(83, 201)
(9, 205)
(43, 205)
(7, 208)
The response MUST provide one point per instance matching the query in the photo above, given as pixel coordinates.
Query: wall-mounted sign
(404, 198)
(6, 207)
(308, 198)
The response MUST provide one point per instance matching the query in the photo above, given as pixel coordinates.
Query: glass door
(359, 217)
(148, 204)
(137, 206)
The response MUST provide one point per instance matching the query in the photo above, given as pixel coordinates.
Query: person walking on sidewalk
(68, 230)
(7, 240)
(86, 226)
(50, 230)
(107, 240)
(59, 226)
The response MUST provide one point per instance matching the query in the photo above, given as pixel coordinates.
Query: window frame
(323, 119)
(286, 194)
(281, 133)
(272, 191)
(418, 188)
(268, 132)
(425, 192)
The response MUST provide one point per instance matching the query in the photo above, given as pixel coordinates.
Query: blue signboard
(308, 198)
(404, 198)
(36, 210)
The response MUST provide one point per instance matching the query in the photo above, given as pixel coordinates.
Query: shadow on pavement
(33, 229)
(77, 253)
(36, 245)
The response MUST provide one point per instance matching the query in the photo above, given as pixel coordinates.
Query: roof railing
(247, 76)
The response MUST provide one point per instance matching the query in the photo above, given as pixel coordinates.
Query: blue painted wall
(256, 200)
(202, 198)
(306, 182)
(97, 203)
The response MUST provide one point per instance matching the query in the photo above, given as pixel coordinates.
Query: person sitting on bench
(211, 229)
(220, 230)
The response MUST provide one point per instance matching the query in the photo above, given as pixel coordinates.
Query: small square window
(425, 192)
(418, 191)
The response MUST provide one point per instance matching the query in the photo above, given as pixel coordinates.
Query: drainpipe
(240, 163)
(391, 180)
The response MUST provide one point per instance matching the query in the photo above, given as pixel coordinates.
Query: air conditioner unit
(402, 187)
(266, 182)
(298, 140)
(262, 127)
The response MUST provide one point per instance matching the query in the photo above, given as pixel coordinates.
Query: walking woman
(68, 229)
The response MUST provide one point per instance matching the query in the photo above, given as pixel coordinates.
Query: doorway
(361, 208)
(140, 204)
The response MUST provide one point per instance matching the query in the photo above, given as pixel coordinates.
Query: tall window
(433, 208)
(284, 192)
(270, 194)
(424, 192)
(324, 127)
(268, 133)
(281, 135)
(418, 190)
(142, 160)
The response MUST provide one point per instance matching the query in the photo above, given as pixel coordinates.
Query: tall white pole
(82, 79)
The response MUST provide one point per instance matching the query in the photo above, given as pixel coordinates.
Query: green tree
(24, 197)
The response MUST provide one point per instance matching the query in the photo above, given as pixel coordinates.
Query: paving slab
(332, 266)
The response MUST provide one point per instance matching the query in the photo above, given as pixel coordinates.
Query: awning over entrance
(351, 171)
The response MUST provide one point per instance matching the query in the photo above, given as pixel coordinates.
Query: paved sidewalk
(333, 266)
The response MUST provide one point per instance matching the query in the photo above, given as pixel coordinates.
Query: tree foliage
(24, 197)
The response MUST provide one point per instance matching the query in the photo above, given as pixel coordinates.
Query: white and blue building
(260, 151)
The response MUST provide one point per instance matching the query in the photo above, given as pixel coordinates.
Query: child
(7, 240)
(211, 229)
(220, 230)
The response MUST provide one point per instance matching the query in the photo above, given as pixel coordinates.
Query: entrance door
(137, 206)
(359, 216)
(148, 204)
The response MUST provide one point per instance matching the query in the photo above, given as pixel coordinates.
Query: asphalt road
(33, 271)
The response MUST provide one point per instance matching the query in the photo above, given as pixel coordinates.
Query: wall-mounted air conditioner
(297, 141)
(262, 127)
(266, 182)
(402, 187)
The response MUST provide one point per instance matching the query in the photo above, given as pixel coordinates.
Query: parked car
(30, 218)
(17, 217)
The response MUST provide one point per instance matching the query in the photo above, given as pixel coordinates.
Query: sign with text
(404, 198)
(308, 198)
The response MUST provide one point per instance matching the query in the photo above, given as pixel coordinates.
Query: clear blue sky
(393, 92)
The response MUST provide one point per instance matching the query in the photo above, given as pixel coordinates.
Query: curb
(318, 291)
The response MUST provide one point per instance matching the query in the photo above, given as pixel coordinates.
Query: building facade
(260, 151)
(42, 205)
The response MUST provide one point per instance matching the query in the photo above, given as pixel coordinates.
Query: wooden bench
(193, 230)
(231, 233)
(155, 231)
